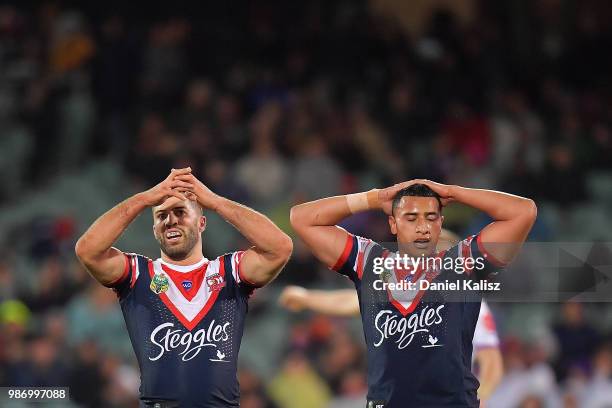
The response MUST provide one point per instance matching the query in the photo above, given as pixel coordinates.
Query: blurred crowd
(274, 103)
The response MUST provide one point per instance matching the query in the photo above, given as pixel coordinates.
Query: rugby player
(184, 313)
(419, 341)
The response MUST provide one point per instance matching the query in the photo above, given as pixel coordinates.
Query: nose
(171, 219)
(422, 226)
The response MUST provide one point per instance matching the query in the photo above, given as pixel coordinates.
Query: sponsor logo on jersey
(403, 330)
(215, 282)
(159, 283)
(220, 357)
(433, 342)
(168, 339)
(187, 284)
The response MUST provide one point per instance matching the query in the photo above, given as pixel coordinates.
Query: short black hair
(415, 190)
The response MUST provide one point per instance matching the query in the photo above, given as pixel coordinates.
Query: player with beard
(184, 313)
(419, 341)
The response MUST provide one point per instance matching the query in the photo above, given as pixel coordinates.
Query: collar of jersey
(184, 268)
(417, 299)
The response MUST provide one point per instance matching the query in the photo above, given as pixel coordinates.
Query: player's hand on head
(386, 196)
(171, 186)
(293, 298)
(443, 190)
(200, 192)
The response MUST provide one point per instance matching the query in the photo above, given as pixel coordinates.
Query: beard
(180, 251)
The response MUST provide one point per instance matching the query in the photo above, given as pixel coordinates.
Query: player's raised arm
(271, 246)
(341, 302)
(315, 221)
(513, 216)
(94, 249)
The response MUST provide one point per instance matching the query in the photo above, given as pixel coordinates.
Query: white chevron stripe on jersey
(189, 309)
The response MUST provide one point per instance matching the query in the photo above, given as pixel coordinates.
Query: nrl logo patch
(159, 283)
(215, 282)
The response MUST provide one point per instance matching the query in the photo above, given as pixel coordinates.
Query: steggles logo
(191, 343)
(403, 329)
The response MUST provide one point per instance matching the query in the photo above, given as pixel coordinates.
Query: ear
(202, 224)
(392, 225)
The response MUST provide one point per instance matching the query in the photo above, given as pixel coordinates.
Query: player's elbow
(285, 248)
(530, 211)
(81, 250)
(85, 253)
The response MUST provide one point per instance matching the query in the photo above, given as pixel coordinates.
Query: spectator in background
(598, 391)
(121, 380)
(54, 286)
(8, 286)
(44, 366)
(297, 385)
(154, 150)
(199, 103)
(85, 379)
(316, 174)
(94, 314)
(564, 181)
(263, 172)
(576, 338)
(252, 390)
(165, 67)
(529, 379)
(352, 392)
(114, 76)
(15, 318)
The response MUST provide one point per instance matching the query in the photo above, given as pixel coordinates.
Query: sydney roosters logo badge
(215, 282)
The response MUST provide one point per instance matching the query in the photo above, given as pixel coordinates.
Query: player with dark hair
(419, 340)
(184, 313)
(488, 363)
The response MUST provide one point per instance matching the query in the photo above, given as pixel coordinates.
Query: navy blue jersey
(185, 324)
(419, 340)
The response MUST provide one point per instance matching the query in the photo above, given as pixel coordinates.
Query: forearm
(335, 303)
(491, 371)
(332, 210)
(499, 206)
(258, 229)
(103, 233)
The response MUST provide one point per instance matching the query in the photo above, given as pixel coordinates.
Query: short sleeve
(354, 256)
(236, 259)
(477, 262)
(485, 335)
(126, 282)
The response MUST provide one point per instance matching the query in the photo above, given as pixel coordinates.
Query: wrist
(142, 200)
(374, 199)
(367, 200)
(453, 190)
(214, 203)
